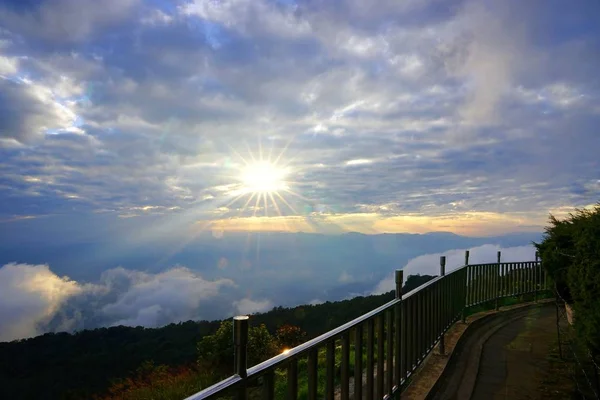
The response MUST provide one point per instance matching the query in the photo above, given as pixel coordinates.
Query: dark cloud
(28, 110)
(62, 20)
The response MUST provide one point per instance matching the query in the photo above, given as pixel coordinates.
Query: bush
(570, 253)
(557, 253)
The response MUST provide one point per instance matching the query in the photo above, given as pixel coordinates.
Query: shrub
(570, 253)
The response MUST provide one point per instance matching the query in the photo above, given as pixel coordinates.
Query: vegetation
(159, 363)
(570, 253)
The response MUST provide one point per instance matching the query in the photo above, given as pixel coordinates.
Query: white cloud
(249, 16)
(8, 65)
(249, 306)
(34, 300)
(345, 277)
(156, 299)
(487, 55)
(429, 264)
(30, 295)
(359, 161)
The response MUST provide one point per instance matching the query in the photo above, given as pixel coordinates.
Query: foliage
(154, 382)
(217, 350)
(556, 251)
(288, 336)
(571, 254)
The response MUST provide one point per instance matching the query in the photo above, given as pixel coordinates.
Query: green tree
(289, 336)
(216, 351)
(570, 253)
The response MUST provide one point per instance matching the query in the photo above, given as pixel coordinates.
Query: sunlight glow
(285, 351)
(263, 177)
(263, 185)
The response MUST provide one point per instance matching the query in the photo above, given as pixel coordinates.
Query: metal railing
(395, 338)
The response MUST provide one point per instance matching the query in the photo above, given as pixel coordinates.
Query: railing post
(466, 289)
(399, 328)
(497, 280)
(442, 346)
(537, 275)
(240, 352)
(399, 282)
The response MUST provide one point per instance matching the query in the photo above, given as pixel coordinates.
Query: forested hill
(82, 364)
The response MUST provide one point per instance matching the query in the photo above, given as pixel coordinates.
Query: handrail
(409, 326)
(322, 339)
(217, 388)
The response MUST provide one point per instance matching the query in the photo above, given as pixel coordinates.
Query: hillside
(83, 364)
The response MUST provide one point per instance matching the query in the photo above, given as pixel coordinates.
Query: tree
(289, 336)
(216, 351)
(570, 254)
(414, 281)
(557, 252)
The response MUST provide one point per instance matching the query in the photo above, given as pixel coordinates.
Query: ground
(509, 356)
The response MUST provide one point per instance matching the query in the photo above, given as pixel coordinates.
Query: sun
(263, 177)
(262, 183)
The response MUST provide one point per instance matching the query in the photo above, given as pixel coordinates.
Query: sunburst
(263, 177)
(263, 183)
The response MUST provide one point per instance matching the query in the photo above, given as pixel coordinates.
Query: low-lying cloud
(429, 264)
(31, 296)
(249, 306)
(35, 300)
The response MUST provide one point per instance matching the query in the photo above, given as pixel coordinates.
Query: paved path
(504, 357)
(515, 357)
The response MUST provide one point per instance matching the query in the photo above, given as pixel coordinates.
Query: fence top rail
(217, 388)
(425, 285)
(502, 263)
(319, 340)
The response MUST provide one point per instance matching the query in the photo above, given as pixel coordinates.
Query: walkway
(502, 357)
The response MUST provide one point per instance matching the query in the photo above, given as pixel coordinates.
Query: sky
(131, 130)
(411, 116)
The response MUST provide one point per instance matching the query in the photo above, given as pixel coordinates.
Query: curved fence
(373, 356)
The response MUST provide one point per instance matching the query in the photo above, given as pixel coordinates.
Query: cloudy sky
(386, 116)
(143, 122)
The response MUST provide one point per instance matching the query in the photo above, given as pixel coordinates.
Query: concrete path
(515, 357)
(501, 357)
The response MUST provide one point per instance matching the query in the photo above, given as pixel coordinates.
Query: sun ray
(235, 199)
(246, 203)
(297, 195)
(250, 152)
(275, 206)
(286, 203)
(256, 204)
(234, 151)
(282, 152)
(266, 205)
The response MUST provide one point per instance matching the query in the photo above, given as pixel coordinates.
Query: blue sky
(130, 124)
